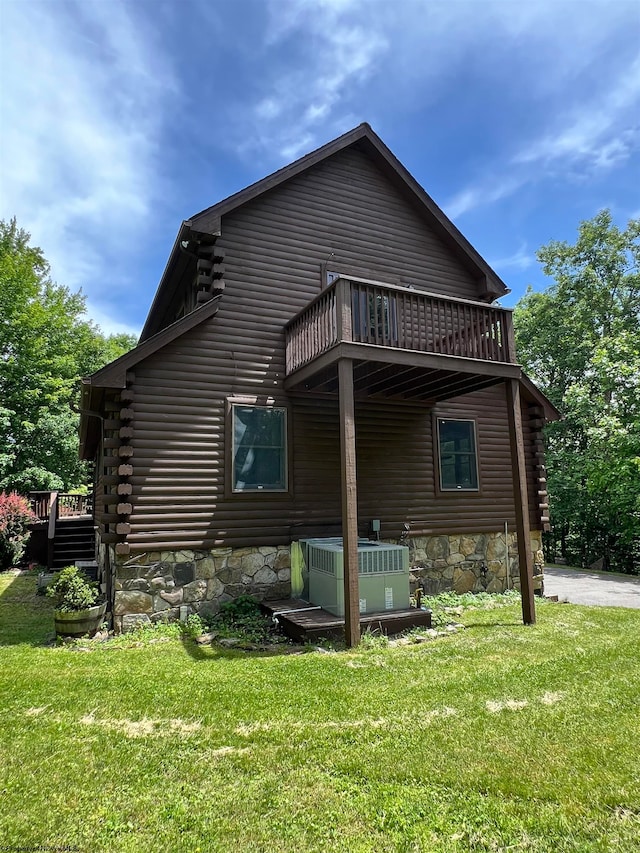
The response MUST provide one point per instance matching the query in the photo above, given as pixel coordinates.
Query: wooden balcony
(403, 342)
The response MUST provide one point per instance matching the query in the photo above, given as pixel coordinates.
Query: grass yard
(499, 737)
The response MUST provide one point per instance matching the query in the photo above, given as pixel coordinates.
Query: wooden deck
(303, 621)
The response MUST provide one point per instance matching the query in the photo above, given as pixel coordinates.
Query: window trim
(443, 490)
(258, 403)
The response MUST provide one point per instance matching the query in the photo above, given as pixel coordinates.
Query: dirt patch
(228, 750)
(144, 727)
(248, 729)
(495, 707)
(550, 698)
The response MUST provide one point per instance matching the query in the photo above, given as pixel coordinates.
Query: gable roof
(208, 221)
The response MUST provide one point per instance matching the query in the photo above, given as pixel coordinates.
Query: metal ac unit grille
(373, 558)
(322, 560)
(372, 562)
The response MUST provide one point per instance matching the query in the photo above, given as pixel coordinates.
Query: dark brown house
(324, 356)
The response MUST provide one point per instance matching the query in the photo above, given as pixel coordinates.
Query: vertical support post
(509, 342)
(343, 310)
(519, 474)
(349, 503)
(51, 530)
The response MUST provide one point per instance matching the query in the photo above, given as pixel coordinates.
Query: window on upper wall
(259, 448)
(458, 461)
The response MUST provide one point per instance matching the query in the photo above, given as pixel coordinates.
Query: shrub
(15, 518)
(193, 627)
(240, 608)
(243, 618)
(72, 591)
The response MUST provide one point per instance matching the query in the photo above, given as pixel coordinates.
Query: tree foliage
(580, 341)
(46, 345)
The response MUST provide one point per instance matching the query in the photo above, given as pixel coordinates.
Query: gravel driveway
(585, 587)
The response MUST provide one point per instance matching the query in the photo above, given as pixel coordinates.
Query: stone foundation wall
(168, 585)
(475, 562)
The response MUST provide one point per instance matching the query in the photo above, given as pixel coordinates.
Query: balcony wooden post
(509, 342)
(51, 529)
(521, 499)
(349, 503)
(343, 310)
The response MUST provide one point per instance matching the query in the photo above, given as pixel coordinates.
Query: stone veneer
(471, 562)
(168, 585)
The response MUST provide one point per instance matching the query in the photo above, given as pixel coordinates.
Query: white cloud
(599, 133)
(82, 99)
(332, 63)
(109, 324)
(307, 101)
(487, 192)
(520, 260)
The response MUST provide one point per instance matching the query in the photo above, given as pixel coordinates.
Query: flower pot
(77, 623)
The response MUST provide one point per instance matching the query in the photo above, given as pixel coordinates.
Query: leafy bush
(193, 627)
(240, 607)
(72, 590)
(243, 618)
(15, 518)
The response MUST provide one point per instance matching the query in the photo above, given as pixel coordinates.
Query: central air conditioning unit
(383, 575)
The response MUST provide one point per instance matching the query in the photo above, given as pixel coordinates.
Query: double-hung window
(259, 448)
(457, 455)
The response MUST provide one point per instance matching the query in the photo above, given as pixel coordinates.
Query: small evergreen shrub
(15, 518)
(72, 591)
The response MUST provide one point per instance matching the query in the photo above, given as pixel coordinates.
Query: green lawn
(499, 737)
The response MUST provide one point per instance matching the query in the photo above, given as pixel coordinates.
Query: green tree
(580, 340)
(46, 345)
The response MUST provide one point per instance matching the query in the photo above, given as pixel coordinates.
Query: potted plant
(76, 611)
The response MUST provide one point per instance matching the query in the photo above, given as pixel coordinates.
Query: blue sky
(120, 119)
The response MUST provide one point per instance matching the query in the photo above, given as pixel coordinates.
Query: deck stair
(74, 540)
(306, 622)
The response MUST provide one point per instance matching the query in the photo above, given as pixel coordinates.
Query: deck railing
(66, 504)
(367, 312)
(312, 331)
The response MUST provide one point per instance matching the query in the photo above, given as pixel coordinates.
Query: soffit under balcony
(399, 374)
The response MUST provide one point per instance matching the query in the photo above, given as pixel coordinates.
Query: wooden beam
(349, 503)
(521, 499)
(406, 358)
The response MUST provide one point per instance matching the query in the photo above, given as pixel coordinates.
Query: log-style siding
(344, 205)
(345, 215)
(179, 443)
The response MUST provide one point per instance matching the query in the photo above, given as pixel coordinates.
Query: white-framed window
(457, 455)
(259, 452)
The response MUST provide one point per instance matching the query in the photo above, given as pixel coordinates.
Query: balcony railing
(384, 315)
